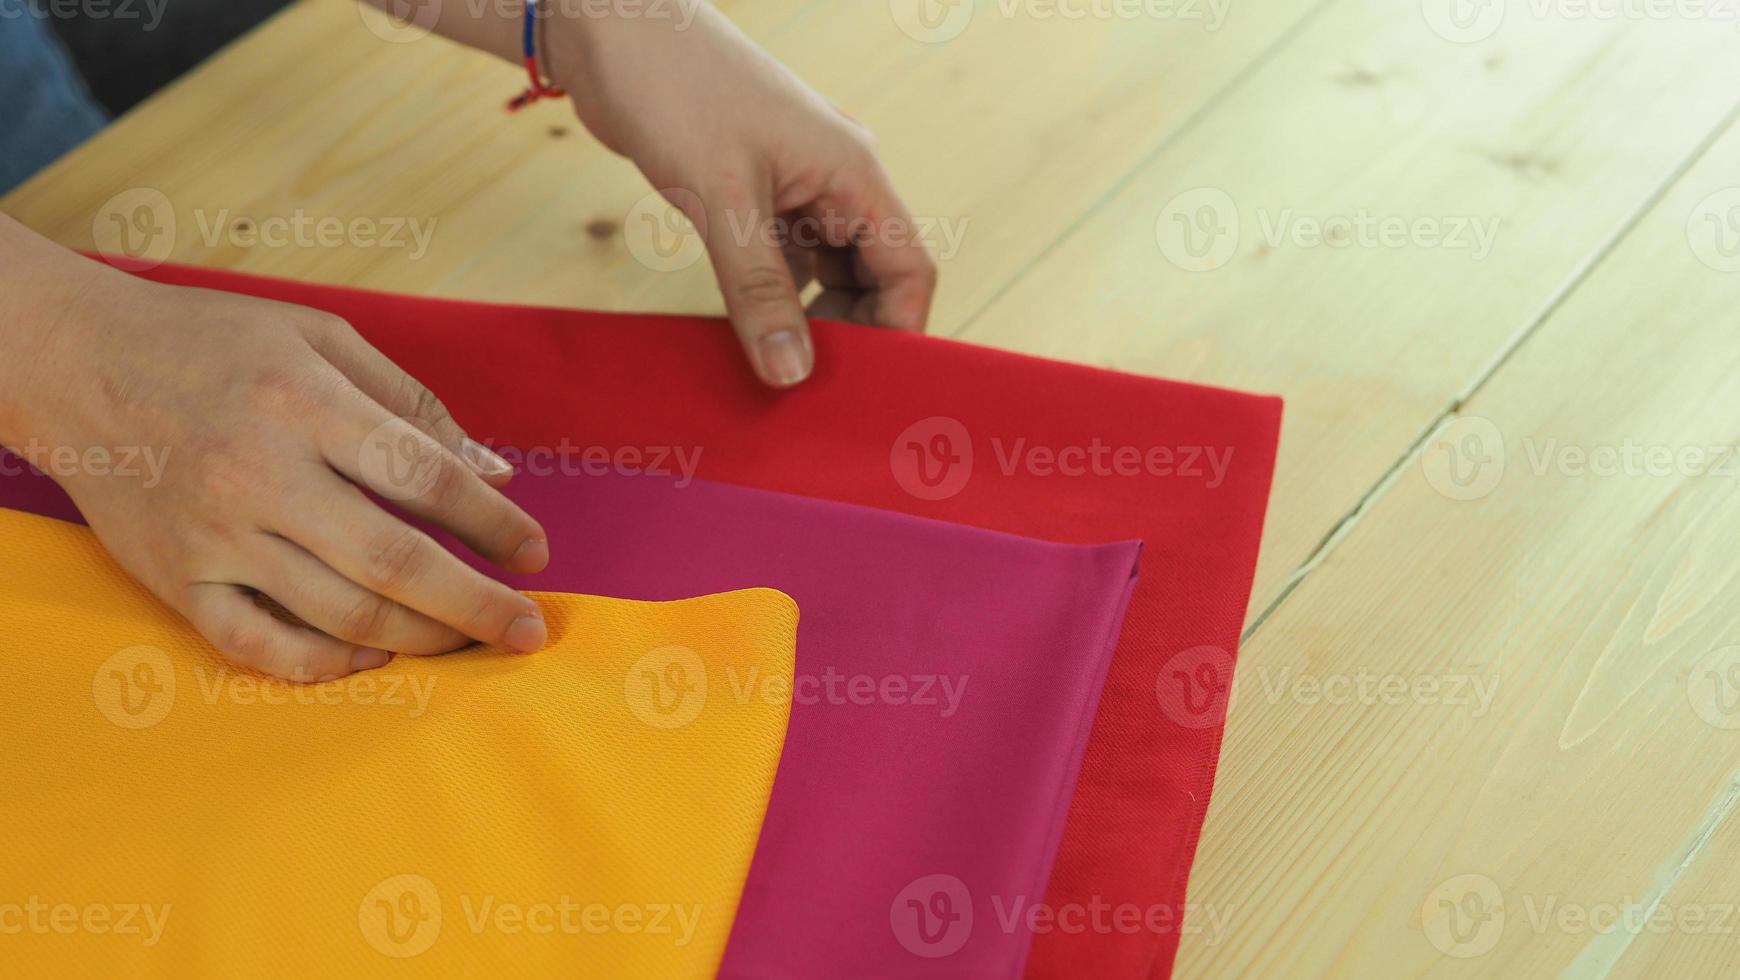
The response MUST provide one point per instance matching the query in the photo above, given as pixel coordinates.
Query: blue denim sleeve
(44, 107)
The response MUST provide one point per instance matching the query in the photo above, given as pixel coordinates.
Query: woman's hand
(783, 187)
(267, 419)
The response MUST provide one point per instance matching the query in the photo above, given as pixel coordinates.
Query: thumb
(760, 295)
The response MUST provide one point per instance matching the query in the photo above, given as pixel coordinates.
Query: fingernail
(532, 557)
(527, 634)
(786, 357)
(483, 460)
(368, 659)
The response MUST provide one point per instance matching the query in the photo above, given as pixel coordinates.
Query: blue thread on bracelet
(538, 89)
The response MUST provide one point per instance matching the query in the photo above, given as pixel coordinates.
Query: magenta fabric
(947, 680)
(23, 488)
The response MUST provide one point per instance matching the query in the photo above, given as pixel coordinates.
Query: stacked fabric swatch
(994, 741)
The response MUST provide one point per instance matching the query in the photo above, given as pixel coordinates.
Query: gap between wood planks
(1344, 527)
(1141, 165)
(1605, 950)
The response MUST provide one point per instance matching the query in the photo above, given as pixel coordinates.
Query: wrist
(41, 289)
(614, 65)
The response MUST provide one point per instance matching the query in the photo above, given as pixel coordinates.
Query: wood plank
(1539, 129)
(1568, 543)
(1693, 930)
(975, 133)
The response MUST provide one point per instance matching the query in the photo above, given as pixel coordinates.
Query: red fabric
(524, 378)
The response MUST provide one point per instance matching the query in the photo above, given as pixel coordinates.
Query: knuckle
(447, 486)
(327, 326)
(425, 405)
(245, 644)
(762, 286)
(395, 560)
(732, 187)
(281, 393)
(510, 530)
(366, 620)
(489, 616)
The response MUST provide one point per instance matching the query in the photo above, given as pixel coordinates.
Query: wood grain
(1367, 112)
(1507, 695)
(1566, 541)
(976, 135)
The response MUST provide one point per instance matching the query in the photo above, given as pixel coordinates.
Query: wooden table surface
(1488, 714)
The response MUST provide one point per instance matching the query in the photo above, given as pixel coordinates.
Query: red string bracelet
(538, 89)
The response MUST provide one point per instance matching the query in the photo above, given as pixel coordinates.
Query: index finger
(402, 463)
(891, 260)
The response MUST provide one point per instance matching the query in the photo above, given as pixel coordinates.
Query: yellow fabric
(588, 811)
